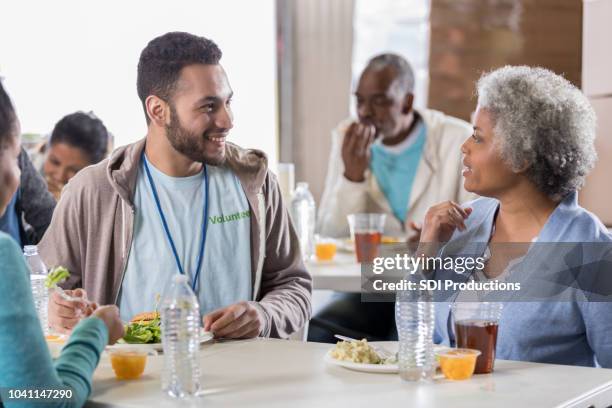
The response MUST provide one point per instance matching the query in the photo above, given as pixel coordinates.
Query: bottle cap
(30, 250)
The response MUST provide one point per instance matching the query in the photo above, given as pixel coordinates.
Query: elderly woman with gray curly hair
(532, 146)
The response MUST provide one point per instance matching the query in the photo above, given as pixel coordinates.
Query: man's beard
(190, 144)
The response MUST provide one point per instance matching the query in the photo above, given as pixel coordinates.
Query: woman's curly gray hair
(542, 123)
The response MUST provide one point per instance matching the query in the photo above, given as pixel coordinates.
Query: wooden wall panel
(469, 37)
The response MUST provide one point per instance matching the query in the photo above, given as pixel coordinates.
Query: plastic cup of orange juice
(55, 343)
(325, 248)
(128, 364)
(459, 363)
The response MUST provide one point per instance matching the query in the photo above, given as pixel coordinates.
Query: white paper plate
(345, 245)
(205, 337)
(391, 346)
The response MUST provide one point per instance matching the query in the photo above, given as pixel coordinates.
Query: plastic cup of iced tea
(366, 232)
(476, 325)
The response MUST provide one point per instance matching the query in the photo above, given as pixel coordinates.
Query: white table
(281, 373)
(342, 274)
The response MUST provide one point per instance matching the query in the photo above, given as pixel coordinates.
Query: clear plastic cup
(128, 364)
(286, 180)
(458, 364)
(325, 248)
(476, 325)
(366, 231)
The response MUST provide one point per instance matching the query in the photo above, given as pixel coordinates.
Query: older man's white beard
(409, 121)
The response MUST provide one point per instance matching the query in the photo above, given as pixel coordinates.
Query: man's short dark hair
(7, 118)
(163, 59)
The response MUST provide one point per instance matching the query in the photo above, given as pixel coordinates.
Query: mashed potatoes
(357, 352)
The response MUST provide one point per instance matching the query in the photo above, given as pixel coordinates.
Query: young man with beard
(182, 200)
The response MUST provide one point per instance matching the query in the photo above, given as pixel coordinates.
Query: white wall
(597, 85)
(322, 44)
(66, 55)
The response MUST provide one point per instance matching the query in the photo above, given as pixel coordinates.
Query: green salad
(56, 276)
(143, 332)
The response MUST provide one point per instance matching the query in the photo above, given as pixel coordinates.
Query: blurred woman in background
(78, 140)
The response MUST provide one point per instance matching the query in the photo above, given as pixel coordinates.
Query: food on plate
(144, 328)
(357, 352)
(385, 239)
(145, 317)
(59, 338)
(56, 276)
(458, 364)
(391, 240)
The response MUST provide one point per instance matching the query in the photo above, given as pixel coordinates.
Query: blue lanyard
(167, 230)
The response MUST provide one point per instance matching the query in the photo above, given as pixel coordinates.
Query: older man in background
(394, 160)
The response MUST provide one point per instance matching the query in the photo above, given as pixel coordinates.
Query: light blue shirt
(225, 275)
(395, 170)
(567, 332)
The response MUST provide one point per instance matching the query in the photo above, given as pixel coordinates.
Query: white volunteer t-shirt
(225, 275)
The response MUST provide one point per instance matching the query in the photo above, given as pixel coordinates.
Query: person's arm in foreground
(25, 361)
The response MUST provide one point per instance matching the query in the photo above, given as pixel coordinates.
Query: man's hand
(238, 321)
(356, 150)
(65, 314)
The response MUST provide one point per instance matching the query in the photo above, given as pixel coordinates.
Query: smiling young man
(182, 200)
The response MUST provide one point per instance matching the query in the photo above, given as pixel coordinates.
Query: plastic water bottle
(180, 325)
(414, 318)
(38, 274)
(303, 216)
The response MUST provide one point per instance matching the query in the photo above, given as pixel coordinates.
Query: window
(61, 56)
(399, 26)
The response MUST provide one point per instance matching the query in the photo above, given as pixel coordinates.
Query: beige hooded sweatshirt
(92, 229)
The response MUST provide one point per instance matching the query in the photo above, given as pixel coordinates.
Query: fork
(69, 298)
(382, 353)
(65, 296)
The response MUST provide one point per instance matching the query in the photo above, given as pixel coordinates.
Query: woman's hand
(109, 314)
(442, 220)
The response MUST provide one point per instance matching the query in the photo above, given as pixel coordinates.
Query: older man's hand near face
(241, 320)
(356, 150)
